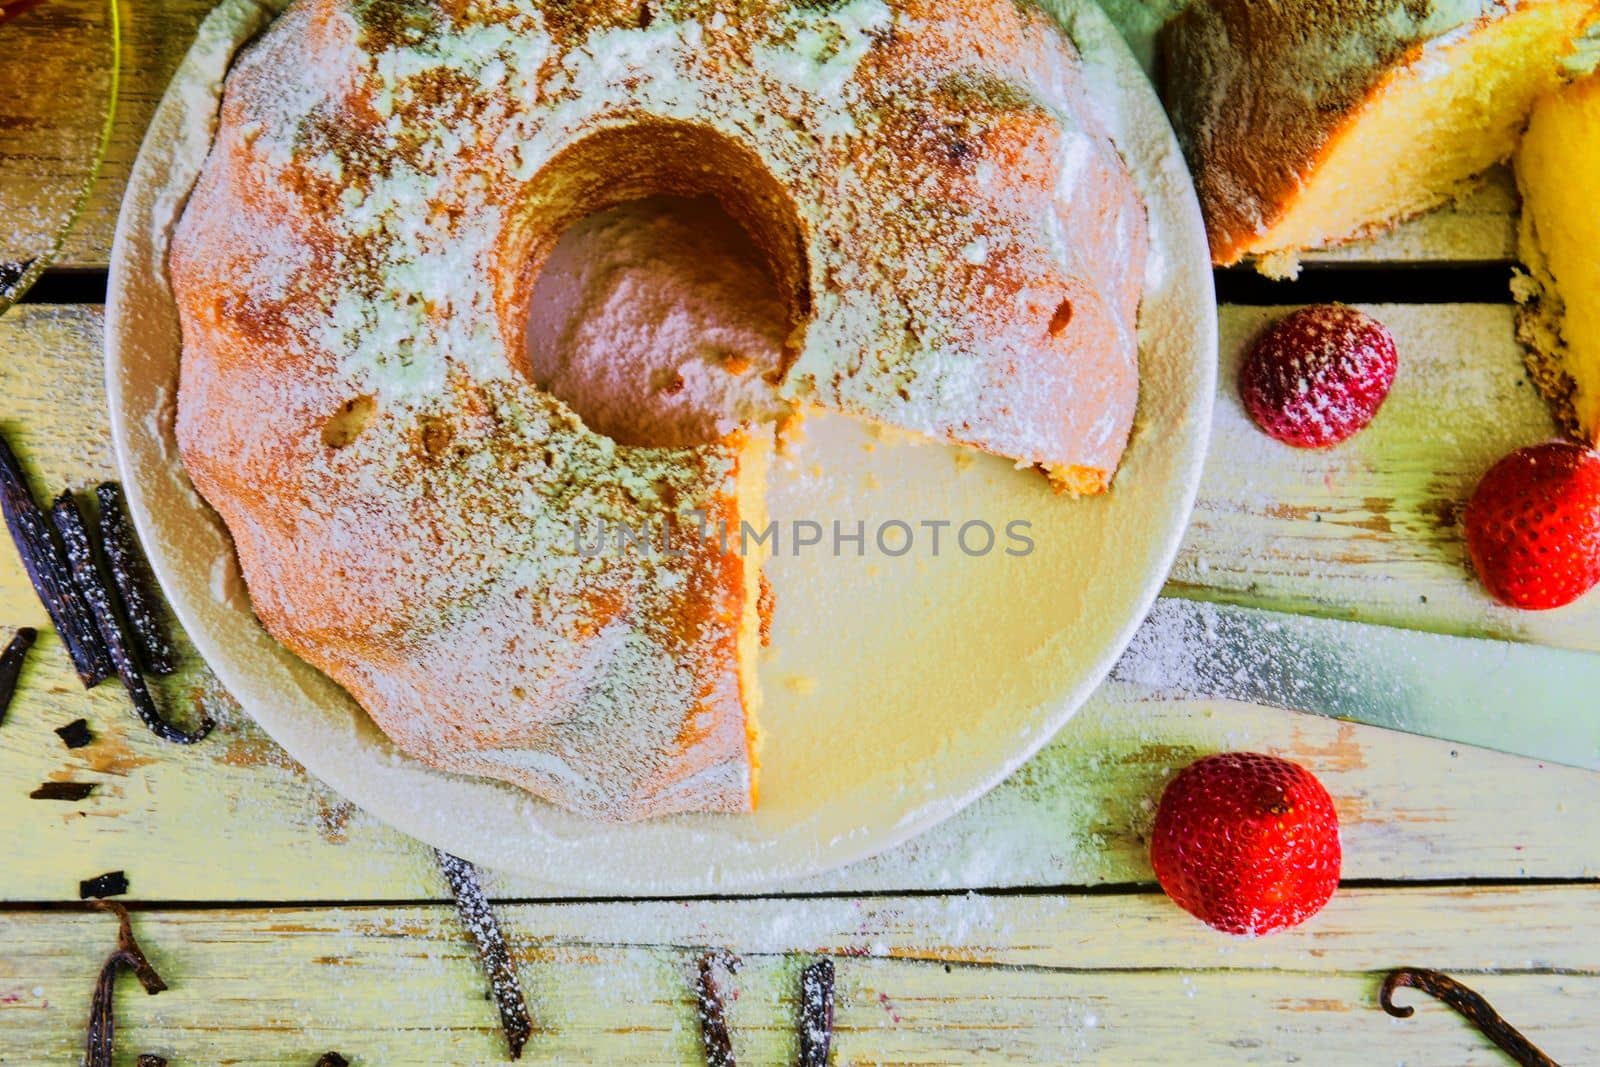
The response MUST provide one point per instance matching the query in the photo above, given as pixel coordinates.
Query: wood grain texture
(966, 979)
(155, 36)
(62, 53)
(236, 818)
(1370, 529)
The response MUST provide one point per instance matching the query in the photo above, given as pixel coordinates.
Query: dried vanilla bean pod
(51, 574)
(130, 575)
(816, 1013)
(71, 791)
(11, 665)
(75, 536)
(714, 1036)
(1467, 1003)
(102, 1026)
(75, 734)
(479, 920)
(110, 884)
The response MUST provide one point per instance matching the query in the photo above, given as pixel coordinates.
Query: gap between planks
(971, 978)
(1352, 283)
(1065, 893)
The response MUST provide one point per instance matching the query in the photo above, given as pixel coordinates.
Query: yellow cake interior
(1434, 125)
(751, 489)
(1078, 481)
(1558, 171)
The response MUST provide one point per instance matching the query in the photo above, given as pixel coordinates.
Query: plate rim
(198, 82)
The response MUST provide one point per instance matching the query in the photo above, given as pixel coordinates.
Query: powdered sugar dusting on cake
(822, 50)
(403, 498)
(499, 827)
(432, 554)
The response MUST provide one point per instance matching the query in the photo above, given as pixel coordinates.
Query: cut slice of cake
(1312, 122)
(1558, 171)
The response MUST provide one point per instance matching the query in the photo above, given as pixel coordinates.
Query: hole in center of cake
(664, 282)
(659, 322)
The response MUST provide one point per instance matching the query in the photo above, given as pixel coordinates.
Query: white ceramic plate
(899, 689)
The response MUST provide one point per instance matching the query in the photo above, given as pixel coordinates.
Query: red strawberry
(1318, 375)
(1533, 525)
(1247, 843)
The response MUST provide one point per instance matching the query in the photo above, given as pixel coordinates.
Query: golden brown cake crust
(352, 271)
(1260, 90)
(1538, 318)
(1550, 163)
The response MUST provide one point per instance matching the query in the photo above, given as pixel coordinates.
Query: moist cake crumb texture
(1309, 123)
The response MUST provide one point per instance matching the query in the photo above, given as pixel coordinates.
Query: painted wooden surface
(155, 36)
(1026, 930)
(1027, 979)
(47, 154)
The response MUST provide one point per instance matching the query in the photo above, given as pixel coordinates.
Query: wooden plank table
(1028, 929)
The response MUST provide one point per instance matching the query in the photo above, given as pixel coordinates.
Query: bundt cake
(1558, 167)
(1311, 122)
(959, 244)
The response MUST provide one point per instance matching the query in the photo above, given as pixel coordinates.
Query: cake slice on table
(1558, 171)
(1313, 122)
